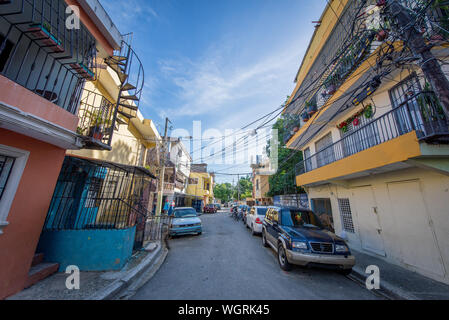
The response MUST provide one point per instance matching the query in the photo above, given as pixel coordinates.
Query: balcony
(420, 113)
(96, 121)
(38, 52)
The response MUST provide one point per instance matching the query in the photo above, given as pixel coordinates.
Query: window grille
(6, 164)
(346, 215)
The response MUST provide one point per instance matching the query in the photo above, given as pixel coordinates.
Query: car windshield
(261, 211)
(300, 218)
(185, 213)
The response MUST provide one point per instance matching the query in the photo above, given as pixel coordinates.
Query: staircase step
(132, 97)
(38, 258)
(124, 105)
(40, 272)
(118, 58)
(128, 86)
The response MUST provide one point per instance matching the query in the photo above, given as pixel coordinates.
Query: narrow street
(227, 262)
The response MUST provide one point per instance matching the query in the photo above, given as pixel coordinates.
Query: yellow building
(200, 188)
(374, 140)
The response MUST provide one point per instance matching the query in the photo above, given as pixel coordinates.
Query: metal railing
(421, 113)
(41, 54)
(96, 120)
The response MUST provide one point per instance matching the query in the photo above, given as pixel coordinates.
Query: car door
(250, 217)
(273, 226)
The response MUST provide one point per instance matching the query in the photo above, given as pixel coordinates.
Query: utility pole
(162, 174)
(238, 188)
(414, 40)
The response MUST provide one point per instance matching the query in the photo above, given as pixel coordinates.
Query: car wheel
(252, 230)
(282, 258)
(200, 233)
(264, 239)
(345, 272)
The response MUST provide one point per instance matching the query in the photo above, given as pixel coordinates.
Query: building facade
(200, 189)
(374, 137)
(54, 97)
(261, 183)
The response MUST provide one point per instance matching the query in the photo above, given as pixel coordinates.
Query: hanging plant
(344, 129)
(356, 122)
(368, 113)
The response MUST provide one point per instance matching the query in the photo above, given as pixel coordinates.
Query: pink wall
(19, 97)
(29, 209)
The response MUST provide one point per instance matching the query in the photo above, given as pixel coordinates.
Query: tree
(245, 188)
(223, 191)
(283, 181)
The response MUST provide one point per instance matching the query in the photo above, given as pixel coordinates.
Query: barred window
(6, 164)
(346, 215)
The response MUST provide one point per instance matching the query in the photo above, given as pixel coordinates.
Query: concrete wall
(409, 207)
(89, 250)
(29, 209)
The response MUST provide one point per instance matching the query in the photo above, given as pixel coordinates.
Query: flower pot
(311, 110)
(96, 132)
(305, 117)
(331, 89)
(382, 35)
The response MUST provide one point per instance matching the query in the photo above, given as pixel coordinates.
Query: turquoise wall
(90, 250)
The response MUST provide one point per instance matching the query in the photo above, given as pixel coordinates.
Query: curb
(150, 264)
(387, 289)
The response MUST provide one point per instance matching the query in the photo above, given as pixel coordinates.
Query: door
(369, 228)
(415, 234)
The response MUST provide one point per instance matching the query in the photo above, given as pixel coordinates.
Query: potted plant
(97, 124)
(311, 107)
(43, 31)
(305, 116)
(382, 35)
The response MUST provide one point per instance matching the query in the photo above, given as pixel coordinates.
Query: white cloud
(216, 83)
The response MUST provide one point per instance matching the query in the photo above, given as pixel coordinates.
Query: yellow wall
(396, 150)
(198, 189)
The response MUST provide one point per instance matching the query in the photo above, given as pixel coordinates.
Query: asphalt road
(227, 262)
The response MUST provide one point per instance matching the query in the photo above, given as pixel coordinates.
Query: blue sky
(221, 62)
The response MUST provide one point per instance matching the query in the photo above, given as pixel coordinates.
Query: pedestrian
(166, 206)
(171, 208)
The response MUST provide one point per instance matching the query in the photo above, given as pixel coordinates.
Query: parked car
(185, 221)
(210, 208)
(218, 206)
(254, 219)
(244, 209)
(298, 237)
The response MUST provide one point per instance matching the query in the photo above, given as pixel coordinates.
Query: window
(12, 164)
(193, 180)
(346, 215)
(403, 98)
(324, 150)
(257, 184)
(307, 162)
(6, 164)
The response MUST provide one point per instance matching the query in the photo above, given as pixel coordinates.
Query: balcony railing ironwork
(96, 120)
(421, 112)
(40, 53)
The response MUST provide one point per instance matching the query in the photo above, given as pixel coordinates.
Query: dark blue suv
(298, 237)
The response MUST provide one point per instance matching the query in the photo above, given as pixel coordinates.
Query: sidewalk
(399, 283)
(101, 285)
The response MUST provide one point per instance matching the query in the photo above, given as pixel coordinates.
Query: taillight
(258, 221)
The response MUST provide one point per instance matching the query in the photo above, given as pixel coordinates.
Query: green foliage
(245, 188)
(223, 191)
(283, 182)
